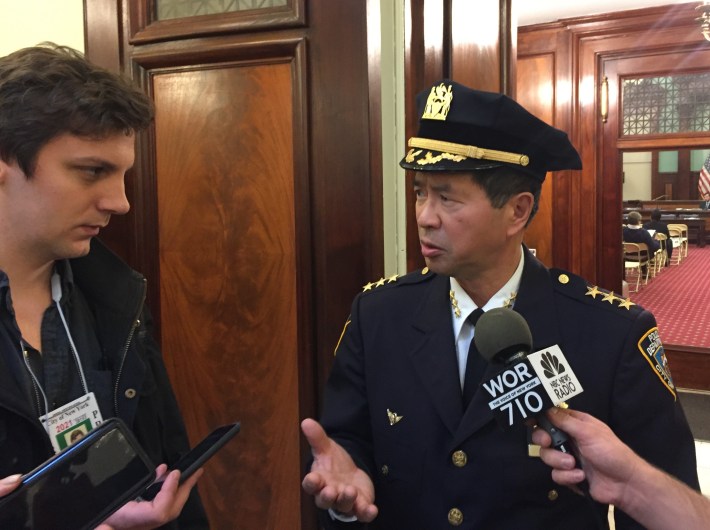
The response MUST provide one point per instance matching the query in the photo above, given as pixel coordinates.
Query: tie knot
(473, 317)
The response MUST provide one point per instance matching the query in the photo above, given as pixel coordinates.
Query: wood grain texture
(537, 95)
(225, 190)
(185, 230)
(143, 27)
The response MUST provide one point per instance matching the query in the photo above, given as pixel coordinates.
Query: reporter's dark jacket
(129, 380)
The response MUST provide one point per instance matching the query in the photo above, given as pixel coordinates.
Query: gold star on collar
(454, 304)
(392, 278)
(627, 304)
(368, 287)
(510, 300)
(609, 297)
(380, 282)
(593, 292)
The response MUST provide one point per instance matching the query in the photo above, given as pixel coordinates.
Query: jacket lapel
(535, 302)
(433, 354)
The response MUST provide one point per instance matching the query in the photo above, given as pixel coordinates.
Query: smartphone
(197, 456)
(83, 484)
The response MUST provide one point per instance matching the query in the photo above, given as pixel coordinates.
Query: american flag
(704, 180)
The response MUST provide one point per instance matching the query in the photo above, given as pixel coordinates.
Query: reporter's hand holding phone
(165, 507)
(144, 515)
(9, 484)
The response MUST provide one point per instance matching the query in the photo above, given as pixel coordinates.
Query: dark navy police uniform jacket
(440, 466)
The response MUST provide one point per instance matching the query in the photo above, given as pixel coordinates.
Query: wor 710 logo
(517, 394)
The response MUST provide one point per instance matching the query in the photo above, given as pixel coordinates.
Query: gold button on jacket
(455, 517)
(459, 458)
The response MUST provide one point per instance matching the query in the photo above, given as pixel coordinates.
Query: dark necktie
(475, 364)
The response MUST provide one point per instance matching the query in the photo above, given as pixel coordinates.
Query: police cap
(461, 129)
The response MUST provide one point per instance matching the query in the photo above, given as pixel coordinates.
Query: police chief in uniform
(406, 440)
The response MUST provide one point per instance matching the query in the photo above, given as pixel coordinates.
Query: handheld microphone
(503, 337)
(529, 383)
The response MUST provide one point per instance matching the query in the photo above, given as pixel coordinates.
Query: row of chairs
(640, 263)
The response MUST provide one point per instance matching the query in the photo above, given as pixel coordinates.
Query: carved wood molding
(144, 28)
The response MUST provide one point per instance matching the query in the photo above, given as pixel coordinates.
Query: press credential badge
(72, 421)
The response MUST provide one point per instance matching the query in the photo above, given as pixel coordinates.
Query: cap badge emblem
(438, 103)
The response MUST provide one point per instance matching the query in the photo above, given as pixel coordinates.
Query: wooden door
(687, 59)
(256, 218)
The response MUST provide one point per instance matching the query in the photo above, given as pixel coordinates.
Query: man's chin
(78, 250)
(436, 266)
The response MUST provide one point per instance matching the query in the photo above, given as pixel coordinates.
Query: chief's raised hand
(334, 480)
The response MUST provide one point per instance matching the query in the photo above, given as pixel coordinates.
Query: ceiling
(538, 11)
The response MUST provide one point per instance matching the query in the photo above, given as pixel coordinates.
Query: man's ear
(521, 206)
(7, 169)
(4, 171)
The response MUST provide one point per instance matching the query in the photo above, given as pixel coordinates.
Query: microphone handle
(561, 442)
(559, 438)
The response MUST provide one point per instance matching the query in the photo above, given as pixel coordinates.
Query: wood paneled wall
(560, 69)
(257, 216)
(564, 61)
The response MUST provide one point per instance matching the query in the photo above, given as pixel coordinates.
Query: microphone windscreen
(501, 333)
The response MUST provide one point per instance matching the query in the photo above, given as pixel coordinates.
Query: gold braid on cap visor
(469, 151)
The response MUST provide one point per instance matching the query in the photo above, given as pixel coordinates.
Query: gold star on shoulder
(609, 297)
(593, 292)
(626, 303)
(379, 283)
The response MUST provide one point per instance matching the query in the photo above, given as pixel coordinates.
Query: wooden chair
(636, 259)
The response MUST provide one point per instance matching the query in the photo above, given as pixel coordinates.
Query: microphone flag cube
(556, 374)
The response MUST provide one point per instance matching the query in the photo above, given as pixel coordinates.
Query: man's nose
(114, 200)
(426, 214)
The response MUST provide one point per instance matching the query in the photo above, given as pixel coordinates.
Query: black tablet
(82, 485)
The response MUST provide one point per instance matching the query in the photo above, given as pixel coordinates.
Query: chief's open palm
(334, 480)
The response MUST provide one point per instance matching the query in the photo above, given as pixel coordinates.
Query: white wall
(637, 176)
(29, 22)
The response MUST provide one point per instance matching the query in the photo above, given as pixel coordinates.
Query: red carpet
(678, 297)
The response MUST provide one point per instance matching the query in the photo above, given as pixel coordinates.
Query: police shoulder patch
(652, 350)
